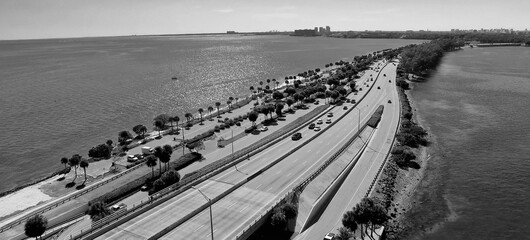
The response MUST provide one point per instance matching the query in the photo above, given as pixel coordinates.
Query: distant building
(305, 32)
(328, 29)
(231, 32)
(321, 30)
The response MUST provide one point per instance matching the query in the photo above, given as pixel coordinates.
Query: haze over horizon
(27, 19)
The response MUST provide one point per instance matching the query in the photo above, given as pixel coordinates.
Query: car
(296, 136)
(317, 128)
(330, 114)
(390, 81)
(319, 121)
(345, 108)
(360, 89)
(328, 121)
(378, 87)
(353, 101)
(384, 75)
(316, 102)
(132, 158)
(263, 129)
(389, 101)
(329, 236)
(117, 207)
(311, 126)
(144, 188)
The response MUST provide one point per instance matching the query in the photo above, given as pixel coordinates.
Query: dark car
(296, 136)
(389, 101)
(311, 126)
(345, 108)
(378, 87)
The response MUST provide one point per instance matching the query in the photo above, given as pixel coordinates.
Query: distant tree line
(483, 37)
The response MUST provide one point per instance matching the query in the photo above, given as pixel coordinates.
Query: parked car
(345, 108)
(317, 128)
(132, 158)
(263, 129)
(144, 188)
(389, 101)
(328, 121)
(390, 81)
(296, 136)
(330, 114)
(319, 121)
(311, 126)
(378, 87)
(329, 236)
(384, 75)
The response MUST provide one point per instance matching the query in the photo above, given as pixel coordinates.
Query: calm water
(477, 184)
(61, 97)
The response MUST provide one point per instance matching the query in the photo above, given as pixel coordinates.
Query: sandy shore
(24, 198)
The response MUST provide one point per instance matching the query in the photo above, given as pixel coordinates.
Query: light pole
(209, 203)
(359, 118)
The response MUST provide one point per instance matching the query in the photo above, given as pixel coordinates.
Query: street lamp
(209, 203)
(183, 143)
(359, 118)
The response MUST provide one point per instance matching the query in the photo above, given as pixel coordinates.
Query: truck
(147, 150)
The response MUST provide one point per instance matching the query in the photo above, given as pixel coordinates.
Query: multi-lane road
(235, 211)
(357, 184)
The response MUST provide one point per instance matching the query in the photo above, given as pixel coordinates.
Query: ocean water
(477, 183)
(60, 97)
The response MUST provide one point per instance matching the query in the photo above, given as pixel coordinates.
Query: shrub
(100, 151)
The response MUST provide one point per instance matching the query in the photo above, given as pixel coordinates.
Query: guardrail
(205, 173)
(389, 150)
(250, 228)
(61, 201)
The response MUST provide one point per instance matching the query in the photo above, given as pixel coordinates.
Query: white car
(329, 236)
(328, 121)
(263, 129)
(319, 121)
(317, 128)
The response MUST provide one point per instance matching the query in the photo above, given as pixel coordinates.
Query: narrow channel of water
(477, 182)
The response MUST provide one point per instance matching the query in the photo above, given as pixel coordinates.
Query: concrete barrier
(325, 198)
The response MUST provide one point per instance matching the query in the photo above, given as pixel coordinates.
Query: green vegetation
(100, 151)
(484, 37)
(368, 214)
(98, 210)
(36, 226)
(74, 162)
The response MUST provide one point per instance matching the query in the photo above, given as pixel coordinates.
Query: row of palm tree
(368, 212)
(75, 161)
(163, 155)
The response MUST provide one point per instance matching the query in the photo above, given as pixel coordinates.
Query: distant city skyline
(32, 19)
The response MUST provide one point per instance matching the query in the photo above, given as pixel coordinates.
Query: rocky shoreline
(397, 184)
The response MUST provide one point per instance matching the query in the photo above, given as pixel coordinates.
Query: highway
(365, 171)
(238, 209)
(188, 200)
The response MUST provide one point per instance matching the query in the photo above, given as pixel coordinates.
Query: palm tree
(74, 162)
(36, 226)
(151, 162)
(217, 104)
(176, 119)
(210, 109)
(64, 161)
(159, 125)
(231, 99)
(275, 82)
(268, 81)
(261, 83)
(229, 103)
(251, 90)
(188, 117)
(159, 152)
(200, 112)
(168, 150)
(84, 164)
(286, 82)
(237, 99)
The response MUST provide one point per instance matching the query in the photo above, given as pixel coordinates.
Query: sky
(34, 19)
